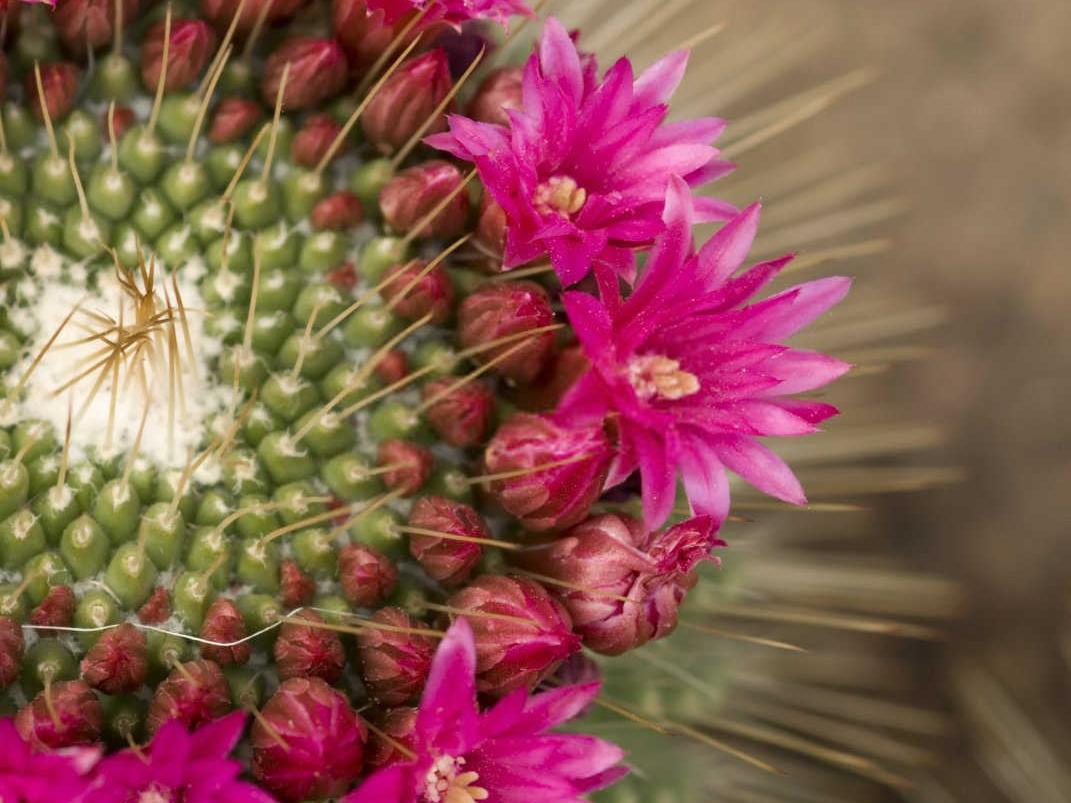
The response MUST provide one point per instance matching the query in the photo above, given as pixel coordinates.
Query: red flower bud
(118, 662)
(398, 726)
(88, 23)
(233, 119)
(491, 229)
(12, 646)
(66, 714)
(121, 120)
(394, 664)
(462, 416)
(157, 607)
(344, 277)
(308, 743)
(223, 623)
(411, 465)
(499, 93)
(525, 636)
(364, 34)
(577, 460)
(59, 81)
(317, 72)
(194, 693)
(56, 609)
(445, 560)
(192, 42)
(367, 576)
(4, 72)
(304, 650)
(339, 211)
(296, 587)
(414, 193)
(503, 309)
(560, 373)
(406, 101)
(393, 366)
(611, 556)
(221, 12)
(421, 291)
(313, 139)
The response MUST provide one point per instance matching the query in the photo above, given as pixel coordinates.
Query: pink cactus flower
(179, 765)
(694, 374)
(504, 754)
(43, 777)
(583, 167)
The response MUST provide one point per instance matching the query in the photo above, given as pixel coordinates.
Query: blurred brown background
(959, 150)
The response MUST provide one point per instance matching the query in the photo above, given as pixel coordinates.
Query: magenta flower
(179, 765)
(583, 168)
(504, 754)
(28, 776)
(694, 374)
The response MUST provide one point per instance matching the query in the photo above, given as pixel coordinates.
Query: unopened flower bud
(157, 607)
(398, 728)
(406, 101)
(506, 309)
(192, 42)
(553, 473)
(317, 72)
(194, 693)
(609, 557)
(410, 464)
(224, 624)
(523, 638)
(367, 577)
(339, 211)
(343, 277)
(56, 609)
(394, 664)
(393, 366)
(499, 93)
(447, 561)
(305, 650)
(233, 119)
(462, 416)
(561, 372)
(491, 228)
(221, 12)
(118, 662)
(295, 587)
(59, 81)
(122, 119)
(83, 24)
(412, 194)
(308, 743)
(65, 714)
(12, 647)
(365, 34)
(313, 139)
(416, 292)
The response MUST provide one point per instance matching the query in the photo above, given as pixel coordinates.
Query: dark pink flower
(583, 167)
(505, 755)
(179, 765)
(308, 743)
(43, 777)
(694, 374)
(546, 474)
(633, 581)
(521, 632)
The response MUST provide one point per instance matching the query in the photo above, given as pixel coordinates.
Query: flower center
(446, 783)
(560, 195)
(157, 794)
(654, 376)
